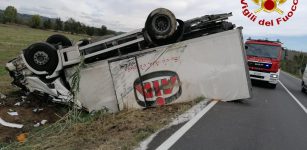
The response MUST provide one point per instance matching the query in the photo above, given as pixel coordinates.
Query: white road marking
(297, 101)
(179, 133)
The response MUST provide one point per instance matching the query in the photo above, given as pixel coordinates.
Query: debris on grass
(43, 122)
(100, 130)
(12, 125)
(13, 113)
(2, 96)
(36, 125)
(36, 110)
(17, 104)
(21, 138)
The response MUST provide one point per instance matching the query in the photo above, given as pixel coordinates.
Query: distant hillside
(291, 53)
(294, 62)
(70, 25)
(27, 17)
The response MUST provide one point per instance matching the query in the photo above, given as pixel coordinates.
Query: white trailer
(168, 61)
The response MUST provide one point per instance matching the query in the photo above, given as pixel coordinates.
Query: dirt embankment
(31, 110)
(123, 130)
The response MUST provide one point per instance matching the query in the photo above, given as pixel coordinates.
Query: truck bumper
(272, 78)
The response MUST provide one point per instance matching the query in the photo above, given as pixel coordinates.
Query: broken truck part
(168, 61)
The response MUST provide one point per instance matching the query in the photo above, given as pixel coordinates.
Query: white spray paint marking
(297, 101)
(188, 115)
(179, 133)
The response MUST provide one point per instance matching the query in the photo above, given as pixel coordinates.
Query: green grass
(13, 39)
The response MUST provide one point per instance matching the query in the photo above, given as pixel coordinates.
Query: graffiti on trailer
(160, 88)
(130, 65)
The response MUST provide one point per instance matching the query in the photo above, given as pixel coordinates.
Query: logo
(269, 7)
(159, 88)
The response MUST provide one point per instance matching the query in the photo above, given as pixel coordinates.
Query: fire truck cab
(264, 59)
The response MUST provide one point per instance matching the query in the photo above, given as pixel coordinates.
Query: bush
(35, 21)
(10, 15)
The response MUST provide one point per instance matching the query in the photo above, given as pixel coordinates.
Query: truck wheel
(161, 24)
(42, 57)
(58, 39)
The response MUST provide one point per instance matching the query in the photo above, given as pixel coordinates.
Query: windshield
(259, 50)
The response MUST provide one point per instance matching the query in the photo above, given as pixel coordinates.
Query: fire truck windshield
(259, 50)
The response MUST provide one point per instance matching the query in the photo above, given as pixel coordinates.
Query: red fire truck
(264, 59)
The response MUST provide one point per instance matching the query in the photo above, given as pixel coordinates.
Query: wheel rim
(161, 23)
(41, 58)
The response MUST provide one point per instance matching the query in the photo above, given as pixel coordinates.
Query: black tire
(161, 24)
(42, 57)
(176, 37)
(57, 39)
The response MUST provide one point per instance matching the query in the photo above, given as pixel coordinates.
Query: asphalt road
(271, 120)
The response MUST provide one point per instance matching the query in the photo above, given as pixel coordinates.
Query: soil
(122, 130)
(26, 116)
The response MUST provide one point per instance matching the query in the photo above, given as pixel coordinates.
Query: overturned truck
(168, 61)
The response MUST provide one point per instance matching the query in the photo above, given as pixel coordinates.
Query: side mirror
(246, 47)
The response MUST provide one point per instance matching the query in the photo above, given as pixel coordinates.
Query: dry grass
(123, 130)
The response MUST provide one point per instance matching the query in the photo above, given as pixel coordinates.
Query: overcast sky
(126, 15)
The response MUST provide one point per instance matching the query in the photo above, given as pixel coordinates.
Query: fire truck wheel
(58, 39)
(161, 24)
(42, 57)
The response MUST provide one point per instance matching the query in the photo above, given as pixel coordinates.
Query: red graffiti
(155, 88)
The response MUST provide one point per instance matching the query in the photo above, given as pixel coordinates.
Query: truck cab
(304, 81)
(264, 58)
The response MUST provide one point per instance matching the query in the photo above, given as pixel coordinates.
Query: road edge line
(179, 133)
(294, 77)
(297, 101)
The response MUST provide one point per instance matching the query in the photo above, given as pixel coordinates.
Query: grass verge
(123, 130)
